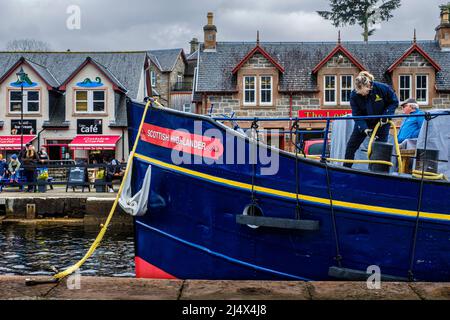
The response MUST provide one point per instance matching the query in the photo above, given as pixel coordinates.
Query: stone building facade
(169, 78)
(233, 76)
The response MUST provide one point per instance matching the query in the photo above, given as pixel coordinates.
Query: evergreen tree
(365, 13)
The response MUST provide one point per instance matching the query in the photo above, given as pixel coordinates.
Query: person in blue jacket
(3, 169)
(410, 128)
(367, 99)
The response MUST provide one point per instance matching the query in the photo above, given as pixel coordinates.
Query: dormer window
(422, 89)
(89, 101)
(31, 101)
(249, 90)
(346, 89)
(266, 90)
(330, 89)
(405, 87)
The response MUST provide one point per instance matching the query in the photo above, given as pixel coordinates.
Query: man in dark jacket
(369, 98)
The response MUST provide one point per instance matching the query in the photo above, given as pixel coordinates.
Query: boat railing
(427, 115)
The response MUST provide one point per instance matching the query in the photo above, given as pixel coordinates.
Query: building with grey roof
(72, 94)
(171, 76)
(280, 79)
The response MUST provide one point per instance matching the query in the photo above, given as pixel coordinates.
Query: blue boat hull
(190, 229)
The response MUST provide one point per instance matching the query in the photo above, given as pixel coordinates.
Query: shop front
(94, 148)
(11, 144)
(58, 149)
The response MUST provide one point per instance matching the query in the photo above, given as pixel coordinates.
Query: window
(266, 90)
(153, 78)
(422, 89)
(187, 107)
(98, 101)
(31, 101)
(249, 90)
(89, 101)
(330, 89)
(405, 87)
(14, 101)
(81, 101)
(346, 88)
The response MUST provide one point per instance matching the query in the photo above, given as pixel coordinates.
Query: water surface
(33, 250)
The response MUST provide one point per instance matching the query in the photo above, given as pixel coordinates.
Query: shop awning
(13, 142)
(94, 142)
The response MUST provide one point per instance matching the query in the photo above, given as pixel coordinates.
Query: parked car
(315, 147)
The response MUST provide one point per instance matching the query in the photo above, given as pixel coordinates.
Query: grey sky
(152, 24)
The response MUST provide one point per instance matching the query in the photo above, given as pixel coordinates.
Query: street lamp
(21, 78)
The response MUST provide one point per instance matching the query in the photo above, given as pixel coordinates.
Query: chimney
(194, 45)
(443, 29)
(210, 33)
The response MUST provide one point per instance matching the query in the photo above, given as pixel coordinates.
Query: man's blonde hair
(364, 79)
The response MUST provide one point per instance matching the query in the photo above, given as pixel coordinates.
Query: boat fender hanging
(136, 205)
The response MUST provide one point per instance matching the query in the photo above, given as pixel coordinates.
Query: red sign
(183, 141)
(323, 113)
(94, 142)
(13, 142)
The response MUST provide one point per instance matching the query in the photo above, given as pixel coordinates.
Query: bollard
(380, 151)
(430, 158)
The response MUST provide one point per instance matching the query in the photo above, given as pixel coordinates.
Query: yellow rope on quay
(102, 232)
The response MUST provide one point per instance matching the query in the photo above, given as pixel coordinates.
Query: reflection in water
(30, 250)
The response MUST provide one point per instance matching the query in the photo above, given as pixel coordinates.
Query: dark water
(30, 250)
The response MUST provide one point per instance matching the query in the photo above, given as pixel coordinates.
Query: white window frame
(261, 90)
(25, 102)
(345, 103)
(400, 88)
(426, 88)
(251, 103)
(153, 78)
(325, 102)
(90, 102)
(187, 107)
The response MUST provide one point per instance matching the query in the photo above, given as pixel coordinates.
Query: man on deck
(410, 128)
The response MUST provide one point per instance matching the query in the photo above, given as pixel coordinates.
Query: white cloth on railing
(341, 131)
(438, 139)
(135, 205)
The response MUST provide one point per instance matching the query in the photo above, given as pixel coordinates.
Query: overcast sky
(154, 24)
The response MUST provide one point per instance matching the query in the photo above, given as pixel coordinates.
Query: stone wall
(228, 103)
(178, 69)
(415, 60)
(258, 61)
(442, 101)
(339, 61)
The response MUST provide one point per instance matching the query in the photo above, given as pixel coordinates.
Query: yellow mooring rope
(102, 232)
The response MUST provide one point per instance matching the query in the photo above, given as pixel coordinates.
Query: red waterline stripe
(147, 270)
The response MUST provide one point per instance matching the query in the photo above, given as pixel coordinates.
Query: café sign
(89, 126)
